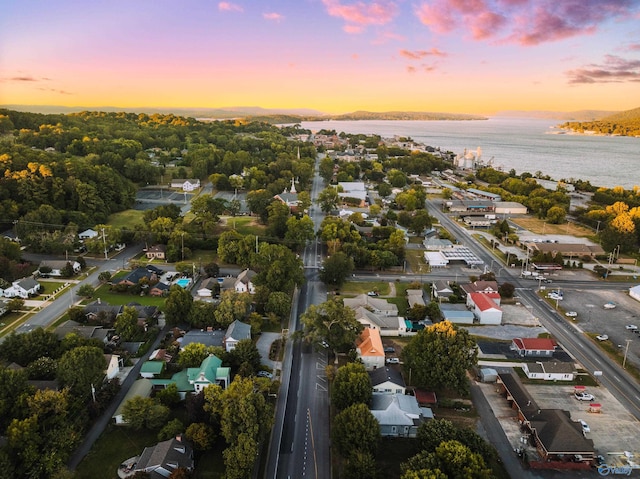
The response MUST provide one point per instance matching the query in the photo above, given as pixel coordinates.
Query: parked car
(265, 374)
(609, 305)
(571, 314)
(585, 426)
(582, 396)
(389, 349)
(602, 337)
(393, 361)
(324, 344)
(632, 327)
(372, 293)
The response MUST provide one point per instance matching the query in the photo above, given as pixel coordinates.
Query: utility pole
(626, 350)
(182, 241)
(104, 242)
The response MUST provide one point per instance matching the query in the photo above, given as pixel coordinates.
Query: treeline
(626, 123)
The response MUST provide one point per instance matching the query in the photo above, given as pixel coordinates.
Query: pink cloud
(419, 54)
(24, 78)
(276, 17)
(359, 15)
(411, 69)
(634, 47)
(613, 70)
(527, 22)
(229, 7)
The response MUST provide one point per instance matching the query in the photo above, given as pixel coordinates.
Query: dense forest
(626, 123)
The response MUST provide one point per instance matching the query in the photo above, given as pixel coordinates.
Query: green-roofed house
(150, 369)
(194, 380)
(141, 388)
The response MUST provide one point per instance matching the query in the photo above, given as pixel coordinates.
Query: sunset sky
(336, 56)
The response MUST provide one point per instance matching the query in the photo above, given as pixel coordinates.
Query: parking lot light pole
(626, 350)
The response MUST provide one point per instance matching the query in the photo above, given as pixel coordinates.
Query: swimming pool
(183, 282)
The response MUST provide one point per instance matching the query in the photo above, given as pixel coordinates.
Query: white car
(393, 361)
(631, 327)
(571, 314)
(609, 305)
(582, 396)
(585, 426)
(602, 337)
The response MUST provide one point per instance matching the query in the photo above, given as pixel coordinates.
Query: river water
(517, 143)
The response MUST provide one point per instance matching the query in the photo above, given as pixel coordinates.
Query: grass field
(541, 227)
(242, 224)
(125, 219)
(114, 298)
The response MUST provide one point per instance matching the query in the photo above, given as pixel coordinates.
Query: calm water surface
(521, 144)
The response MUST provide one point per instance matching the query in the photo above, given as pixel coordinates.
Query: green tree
(556, 215)
(355, 429)
(336, 269)
(169, 396)
(351, 385)
(177, 307)
(326, 168)
(279, 303)
(145, 413)
(440, 356)
(193, 354)
(279, 268)
(360, 465)
(170, 430)
(245, 355)
(201, 435)
(233, 306)
(202, 314)
(278, 216)
(506, 290)
(299, 231)
(82, 369)
(451, 458)
(126, 324)
(328, 199)
(332, 322)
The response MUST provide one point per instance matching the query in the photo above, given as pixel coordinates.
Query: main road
(300, 437)
(610, 374)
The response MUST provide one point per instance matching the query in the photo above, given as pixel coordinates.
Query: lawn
(541, 227)
(242, 224)
(115, 445)
(114, 298)
(48, 287)
(358, 287)
(125, 219)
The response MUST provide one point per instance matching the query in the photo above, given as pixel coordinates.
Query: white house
(635, 292)
(485, 308)
(550, 371)
(387, 381)
(377, 305)
(237, 331)
(88, 234)
(57, 267)
(369, 349)
(243, 283)
(186, 184)
(387, 325)
(398, 415)
(113, 365)
(23, 288)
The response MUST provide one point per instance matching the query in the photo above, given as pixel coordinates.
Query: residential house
(4, 305)
(237, 331)
(84, 331)
(387, 325)
(151, 369)
(186, 184)
(436, 244)
(485, 307)
(23, 288)
(550, 371)
(105, 313)
(534, 347)
(88, 234)
(56, 268)
(157, 251)
(161, 460)
(140, 388)
(194, 380)
(377, 305)
(159, 289)
(385, 380)
(369, 349)
(113, 365)
(480, 287)
(398, 415)
(137, 274)
(208, 287)
(208, 337)
(441, 290)
(160, 355)
(243, 283)
(353, 192)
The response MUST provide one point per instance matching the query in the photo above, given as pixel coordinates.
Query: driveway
(264, 345)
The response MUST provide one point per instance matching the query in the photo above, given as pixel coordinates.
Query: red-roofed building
(485, 307)
(534, 347)
(370, 349)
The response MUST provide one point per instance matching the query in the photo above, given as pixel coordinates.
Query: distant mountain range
(294, 115)
(580, 115)
(624, 123)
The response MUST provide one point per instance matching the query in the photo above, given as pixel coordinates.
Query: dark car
(389, 350)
